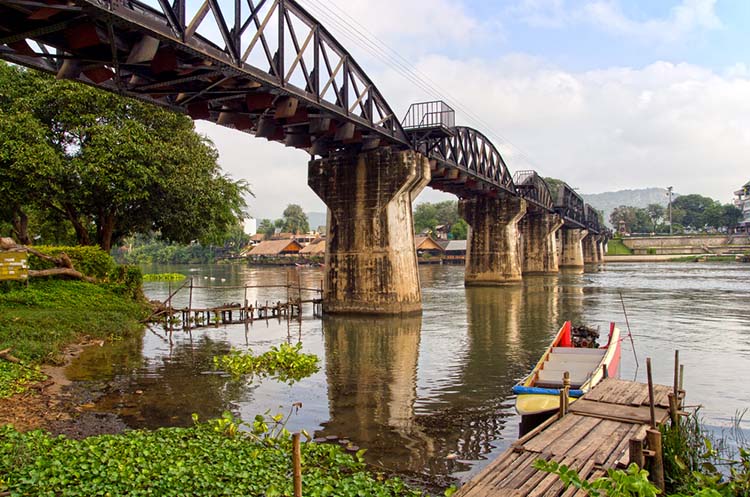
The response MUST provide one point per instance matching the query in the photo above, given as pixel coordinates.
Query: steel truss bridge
(266, 67)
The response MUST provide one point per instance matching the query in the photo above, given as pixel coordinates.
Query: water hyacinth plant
(286, 363)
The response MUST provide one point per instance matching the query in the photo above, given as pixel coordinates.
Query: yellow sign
(14, 265)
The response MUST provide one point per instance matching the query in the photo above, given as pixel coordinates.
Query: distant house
(742, 201)
(316, 247)
(427, 247)
(275, 248)
(454, 251)
(281, 235)
(257, 238)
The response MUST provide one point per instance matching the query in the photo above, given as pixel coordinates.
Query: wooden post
(605, 372)
(635, 449)
(190, 303)
(564, 394)
(682, 378)
(676, 383)
(297, 464)
(651, 393)
(657, 463)
(673, 409)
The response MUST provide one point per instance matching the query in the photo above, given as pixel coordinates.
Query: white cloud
(683, 19)
(613, 128)
(600, 130)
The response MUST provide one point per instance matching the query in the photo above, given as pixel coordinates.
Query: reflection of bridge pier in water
(371, 368)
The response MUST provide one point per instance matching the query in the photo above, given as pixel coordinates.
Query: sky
(604, 94)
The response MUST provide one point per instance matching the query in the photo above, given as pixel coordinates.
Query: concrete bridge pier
(588, 245)
(371, 264)
(492, 252)
(571, 248)
(539, 242)
(600, 248)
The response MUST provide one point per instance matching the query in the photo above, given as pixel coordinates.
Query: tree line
(293, 220)
(81, 165)
(689, 213)
(428, 216)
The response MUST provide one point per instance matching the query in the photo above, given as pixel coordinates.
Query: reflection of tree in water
(164, 391)
(371, 368)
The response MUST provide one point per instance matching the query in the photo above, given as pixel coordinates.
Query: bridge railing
(435, 114)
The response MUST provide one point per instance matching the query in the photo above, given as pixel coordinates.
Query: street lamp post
(669, 209)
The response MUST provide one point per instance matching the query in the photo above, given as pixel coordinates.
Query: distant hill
(608, 201)
(315, 219)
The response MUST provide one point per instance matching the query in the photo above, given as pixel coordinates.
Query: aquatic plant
(209, 459)
(163, 277)
(16, 378)
(286, 363)
(631, 483)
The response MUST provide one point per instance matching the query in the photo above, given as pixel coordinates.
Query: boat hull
(532, 400)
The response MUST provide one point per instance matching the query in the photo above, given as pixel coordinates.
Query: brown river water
(430, 396)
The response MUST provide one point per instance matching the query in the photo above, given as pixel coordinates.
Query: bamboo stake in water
(650, 393)
(297, 464)
(676, 384)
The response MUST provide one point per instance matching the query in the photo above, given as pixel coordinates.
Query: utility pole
(669, 209)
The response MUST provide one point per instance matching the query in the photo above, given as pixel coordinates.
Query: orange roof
(426, 243)
(275, 247)
(315, 247)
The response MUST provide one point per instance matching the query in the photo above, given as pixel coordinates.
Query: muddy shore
(59, 406)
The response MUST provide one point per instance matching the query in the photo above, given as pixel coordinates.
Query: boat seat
(578, 351)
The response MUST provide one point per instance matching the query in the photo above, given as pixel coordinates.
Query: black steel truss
(592, 220)
(263, 66)
(570, 206)
(534, 189)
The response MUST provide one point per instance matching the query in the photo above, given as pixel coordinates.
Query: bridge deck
(593, 437)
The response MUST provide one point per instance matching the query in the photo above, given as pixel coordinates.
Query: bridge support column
(600, 250)
(492, 253)
(588, 244)
(571, 248)
(371, 264)
(539, 255)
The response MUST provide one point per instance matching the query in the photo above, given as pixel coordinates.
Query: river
(429, 396)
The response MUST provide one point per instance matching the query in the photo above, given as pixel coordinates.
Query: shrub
(89, 260)
(127, 280)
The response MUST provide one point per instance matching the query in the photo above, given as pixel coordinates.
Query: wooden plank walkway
(593, 437)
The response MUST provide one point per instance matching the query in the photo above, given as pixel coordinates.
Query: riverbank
(44, 326)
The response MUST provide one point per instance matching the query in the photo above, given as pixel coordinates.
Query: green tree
(655, 214)
(731, 215)
(460, 230)
(695, 208)
(125, 166)
(636, 220)
(266, 227)
(427, 216)
(295, 219)
(554, 185)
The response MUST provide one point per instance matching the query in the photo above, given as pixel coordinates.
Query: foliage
(39, 320)
(142, 249)
(163, 277)
(91, 261)
(108, 165)
(127, 281)
(554, 185)
(631, 483)
(427, 216)
(15, 378)
(692, 459)
(460, 230)
(284, 362)
(208, 459)
(295, 220)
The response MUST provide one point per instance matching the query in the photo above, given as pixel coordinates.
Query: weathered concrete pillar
(600, 250)
(588, 244)
(539, 254)
(371, 264)
(492, 252)
(571, 249)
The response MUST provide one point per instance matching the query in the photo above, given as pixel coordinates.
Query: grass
(39, 320)
(616, 247)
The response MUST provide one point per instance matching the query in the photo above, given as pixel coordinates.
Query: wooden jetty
(609, 427)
